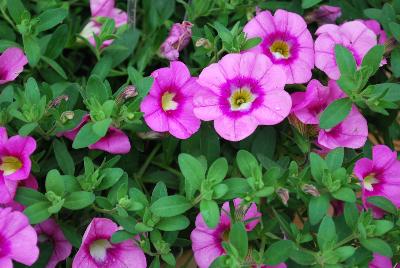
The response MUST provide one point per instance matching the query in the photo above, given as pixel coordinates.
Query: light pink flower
(207, 243)
(374, 26)
(12, 63)
(178, 38)
(240, 92)
(379, 176)
(49, 231)
(169, 105)
(353, 35)
(103, 8)
(114, 142)
(308, 106)
(8, 191)
(380, 261)
(17, 239)
(97, 250)
(326, 14)
(286, 42)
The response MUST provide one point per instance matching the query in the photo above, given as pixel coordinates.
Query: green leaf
(334, 159)
(395, 29)
(373, 58)
(170, 206)
(238, 187)
(85, 137)
(57, 42)
(16, 9)
(335, 113)
(377, 245)
(218, 170)
(278, 252)
(46, 251)
(382, 227)
(345, 194)
(194, 173)
(345, 60)
(63, 157)
(317, 208)
(71, 234)
(172, 224)
(32, 49)
(38, 212)
(27, 196)
(56, 67)
(327, 234)
(110, 177)
(121, 236)
(318, 165)
(160, 190)
(395, 61)
(27, 128)
(79, 200)
(250, 43)
(382, 203)
(95, 88)
(344, 252)
(101, 127)
(247, 163)
(210, 211)
(351, 214)
(309, 3)
(225, 35)
(238, 238)
(55, 183)
(50, 18)
(102, 67)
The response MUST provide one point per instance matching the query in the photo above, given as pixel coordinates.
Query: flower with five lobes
(286, 41)
(169, 105)
(98, 251)
(379, 176)
(240, 92)
(207, 242)
(12, 63)
(354, 35)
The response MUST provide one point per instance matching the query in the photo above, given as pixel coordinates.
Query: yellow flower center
(241, 99)
(280, 49)
(369, 181)
(10, 165)
(167, 101)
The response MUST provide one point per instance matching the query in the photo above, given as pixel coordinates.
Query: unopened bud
(310, 189)
(129, 92)
(58, 100)
(67, 115)
(283, 194)
(203, 42)
(151, 135)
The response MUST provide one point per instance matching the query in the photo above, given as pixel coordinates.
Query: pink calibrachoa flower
(98, 251)
(207, 243)
(240, 92)
(114, 142)
(12, 63)
(178, 38)
(379, 176)
(326, 14)
(169, 105)
(9, 193)
(17, 239)
(380, 261)
(353, 35)
(103, 8)
(374, 26)
(308, 106)
(49, 231)
(286, 42)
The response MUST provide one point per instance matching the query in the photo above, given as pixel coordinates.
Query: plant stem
(8, 19)
(167, 168)
(153, 153)
(132, 4)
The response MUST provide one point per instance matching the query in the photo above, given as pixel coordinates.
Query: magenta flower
(103, 8)
(169, 107)
(114, 142)
(9, 188)
(240, 92)
(308, 106)
(353, 35)
(97, 250)
(326, 14)
(17, 239)
(12, 63)
(379, 176)
(49, 231)
(380, 261)
(178, 38)
(207, 243)
(286, 42)
(374, 26)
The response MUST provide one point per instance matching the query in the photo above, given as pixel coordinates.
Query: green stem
(101, 210)
(8, 19)
(148, 161)
(167, 168)
(346, 240)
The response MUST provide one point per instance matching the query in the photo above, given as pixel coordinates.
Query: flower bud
(58, 100)
(310, 189)
(283, 194)
(178, 38)
(66, 116)
(203, 42)
(324, 14)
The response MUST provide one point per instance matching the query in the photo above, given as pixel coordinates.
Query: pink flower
(353, 35)
(12, 63)
(178, 38)
(97, 250)
(49, 231)
(207, 243)
(8, 193)
(308, 106)
(103, 8)
(380, 261)
(240, 92)
(286, 42)
(17, 239)
(114, 142)
(169, 107)
(379, 176)
(327, 14)
(374, 26)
